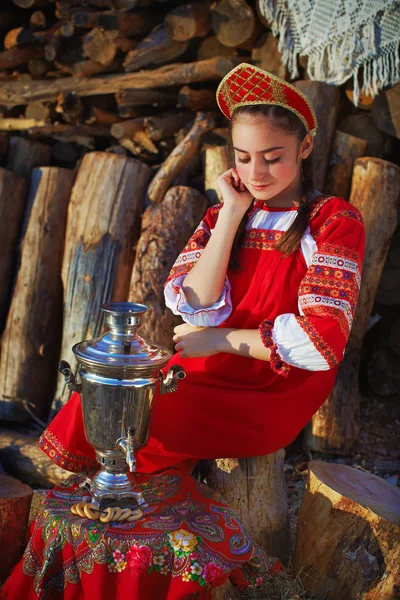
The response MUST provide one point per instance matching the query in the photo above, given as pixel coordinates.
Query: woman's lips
(260, 187)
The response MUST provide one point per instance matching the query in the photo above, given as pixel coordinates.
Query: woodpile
(110, 146)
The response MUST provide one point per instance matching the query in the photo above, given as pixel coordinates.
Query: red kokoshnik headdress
(246, 85)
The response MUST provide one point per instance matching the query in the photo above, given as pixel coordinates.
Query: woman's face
(268, 159)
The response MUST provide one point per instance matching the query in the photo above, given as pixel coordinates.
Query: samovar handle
(169, 383)
(69, 377)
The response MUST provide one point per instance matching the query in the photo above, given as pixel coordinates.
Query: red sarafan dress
(302, 305)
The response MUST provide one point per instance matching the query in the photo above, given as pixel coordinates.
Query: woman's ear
(306, 146)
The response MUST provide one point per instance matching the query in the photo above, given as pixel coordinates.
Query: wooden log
(157, 48)
(38, 66)
(179, 156)
(324, 99)
(128, 24)
(266, 55)
(103, 226)
(15, 503)
(386, 113)
(21, 457)
(255, 490)
(216, 161)
(37, 111)
(3, 146)
(87, 68)
(13, 191)
(345, 149)
(24, 155)
(165, 230)
(31, 3)
(12, 124)
(212, 47)
(128, 99)
(233, 22)
(37, 20)
(18, 56)
(127, 128)
(67, 131)
(362, 126)
(31, 339)
(348, 534)
(16, 93)
(10, 18)
(98, 47)
(162, 126)
(388, 292)
(188, 21)
(374, 191)
(196, 99)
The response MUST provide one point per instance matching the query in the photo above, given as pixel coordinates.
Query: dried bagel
(107, 515)
(135, 516)
(91, 511)
(126, 512)
(80, 509)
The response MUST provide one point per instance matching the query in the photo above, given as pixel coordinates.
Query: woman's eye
(271, 162)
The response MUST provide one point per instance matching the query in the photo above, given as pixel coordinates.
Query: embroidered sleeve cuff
(211, 316)
(277, 364)
(298, 348)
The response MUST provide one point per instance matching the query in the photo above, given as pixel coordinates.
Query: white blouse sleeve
(211, 316)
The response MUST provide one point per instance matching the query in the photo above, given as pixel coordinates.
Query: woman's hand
(195, 342)
(235, 194)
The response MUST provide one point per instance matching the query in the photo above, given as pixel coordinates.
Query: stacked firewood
(110, 146)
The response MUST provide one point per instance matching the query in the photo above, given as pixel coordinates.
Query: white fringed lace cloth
(339, 37)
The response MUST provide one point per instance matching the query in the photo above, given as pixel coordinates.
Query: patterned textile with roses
(187, 542)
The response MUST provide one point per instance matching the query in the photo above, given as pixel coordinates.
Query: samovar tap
(127, 444)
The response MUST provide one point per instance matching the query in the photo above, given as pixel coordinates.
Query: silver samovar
(118, 374)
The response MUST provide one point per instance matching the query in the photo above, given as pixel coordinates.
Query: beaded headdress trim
(247, 85)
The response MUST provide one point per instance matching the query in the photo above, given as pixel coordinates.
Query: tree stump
(15, 502)
(165, 230)
(345, 149)
(31, 339)
(375, 191)
(21, 457)
(348, 534)
(324, 99)
(102, 230)
(13, 191)
(255, 489)
(24, 155)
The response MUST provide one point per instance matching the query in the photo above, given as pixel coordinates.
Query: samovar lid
(121, 346)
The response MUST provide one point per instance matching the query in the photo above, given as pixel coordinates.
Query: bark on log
(255, 489)
(361, 125)
(31, 340)
(324, 99)
(17, 92)
(179, 157)
(15, 502)
(11, 124)
(127, 128)
(24, 155)
(348, 534)
(375, 191)
(345, 149)
(21, 457)
(157, 48)
(102, 230)
(233, 22)
(188, 21)
(136, 23)
(216, 162)
(166, 229)
(86, 68)
(13, 192)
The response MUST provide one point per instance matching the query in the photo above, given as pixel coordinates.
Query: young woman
(267, 287)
